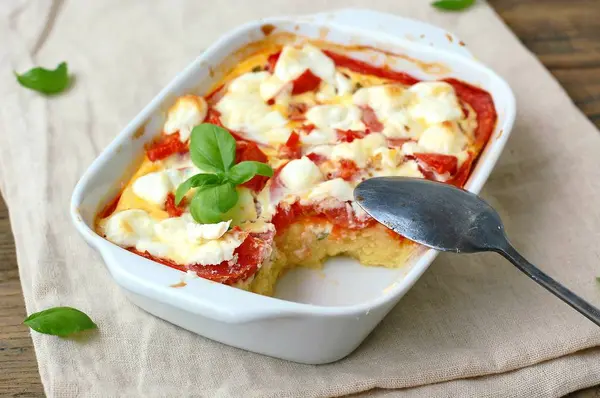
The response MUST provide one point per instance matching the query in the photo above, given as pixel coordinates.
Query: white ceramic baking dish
(317, 316)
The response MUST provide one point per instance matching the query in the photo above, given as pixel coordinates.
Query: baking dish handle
(404, 28)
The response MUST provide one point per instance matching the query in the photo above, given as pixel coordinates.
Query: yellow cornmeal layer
(310, 245)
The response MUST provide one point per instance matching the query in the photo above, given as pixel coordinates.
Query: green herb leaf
(45, 80)
(598, 279)
(244, 171)
(212, 148)
(196, 181)
(59, 321)
(453, 5)
(211, 201)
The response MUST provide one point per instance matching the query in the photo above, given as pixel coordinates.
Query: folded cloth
(472, 326)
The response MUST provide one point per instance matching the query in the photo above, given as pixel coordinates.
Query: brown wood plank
(19, 376)
(564, 34)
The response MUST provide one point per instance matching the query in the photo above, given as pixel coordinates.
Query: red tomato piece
(316, 158)
(271, 61)
(291, 149)
(250, 255)
(349, 135)
(482, 103)
(369, 69)
(163, 261)
(284, 216)
(346, 170)
(214, 96)
(110, 207)
(165, 147)
(439, 163)
(369, 118)
(173, 209)
(213, 116)
(462, 175)
(307, 81)
(297, 111)
(249, 151)
(344, 217)
(307, 128)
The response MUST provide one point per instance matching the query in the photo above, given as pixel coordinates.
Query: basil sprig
(453, 5)
(212, 149)
(45, 80)
(59, 321)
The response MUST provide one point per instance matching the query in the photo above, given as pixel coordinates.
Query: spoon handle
(585, 308)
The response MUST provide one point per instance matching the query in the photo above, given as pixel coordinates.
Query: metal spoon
(447, 218)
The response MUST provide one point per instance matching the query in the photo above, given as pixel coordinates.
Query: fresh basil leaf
(244, 171)
(453, 5)
(211, 201)
(196, 181)
(212, 148)
(59, 321)
(598, 279)
(45, 80)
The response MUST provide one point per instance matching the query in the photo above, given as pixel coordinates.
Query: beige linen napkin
(468, 316)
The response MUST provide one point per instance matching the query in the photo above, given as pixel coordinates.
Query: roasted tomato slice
(291, 149)
(213, 116)
(439, 163)
(272, 61)
(307, 81)
(462, 175)
(245, 151)
(248, 257)
(173, 209)
(344, 217)
(346, 170)
(166, 146)
(369, 69)
(349, 135)
(316, 158)
(369, 118)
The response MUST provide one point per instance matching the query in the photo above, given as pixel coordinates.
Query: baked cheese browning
(325, 122)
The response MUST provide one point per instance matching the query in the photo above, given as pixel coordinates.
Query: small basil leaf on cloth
(59, 321)
(45, 80)
(211, 201)
(212, 148)
(196, 181)
(244, 171)
(453, 5)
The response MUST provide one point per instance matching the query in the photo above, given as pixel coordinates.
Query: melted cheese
(336, 117)
(180, 239)
(360, 151)
(187, 112)
(243, 110)
(300, 174)
(434, 102)
(154, 187)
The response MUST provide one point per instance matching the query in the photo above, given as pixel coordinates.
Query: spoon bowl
(447, 218)
(436, 215)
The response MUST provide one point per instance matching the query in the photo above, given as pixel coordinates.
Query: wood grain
(564, 34)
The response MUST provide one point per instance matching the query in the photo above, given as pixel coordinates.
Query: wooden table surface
(564, 34)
